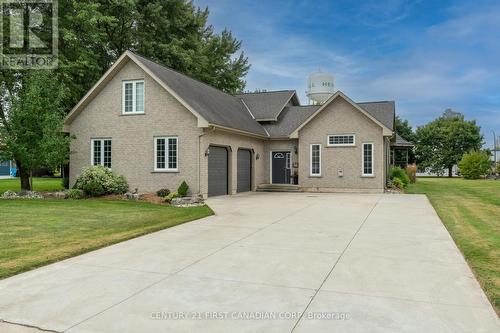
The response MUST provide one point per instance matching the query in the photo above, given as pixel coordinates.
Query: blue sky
(425, 55)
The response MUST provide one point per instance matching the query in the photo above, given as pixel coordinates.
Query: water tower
(319, 87)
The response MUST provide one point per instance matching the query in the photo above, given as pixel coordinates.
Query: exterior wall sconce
(257, 157)
(207, 152)
(295, 149)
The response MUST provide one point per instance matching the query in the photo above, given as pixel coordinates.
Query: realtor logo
(28, 34)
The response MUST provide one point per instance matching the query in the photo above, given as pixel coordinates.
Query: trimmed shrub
(498, 168)
(98, 180)
(162, 193)
(398, 183)
(411, 171)
(75, 194)
(183, 189)
(475, 165)
(171, 196)
(397, 172)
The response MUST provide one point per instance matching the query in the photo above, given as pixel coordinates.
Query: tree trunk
(25, 177)
(450, 171)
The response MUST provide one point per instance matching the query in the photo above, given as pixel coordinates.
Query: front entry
(280, 161)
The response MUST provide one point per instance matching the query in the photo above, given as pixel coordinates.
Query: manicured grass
(470, 210)
(37, 232)
(39, 184)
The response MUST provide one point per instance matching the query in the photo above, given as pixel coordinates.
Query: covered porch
(401, 151)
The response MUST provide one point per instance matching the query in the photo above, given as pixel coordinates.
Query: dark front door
(280, 167)
(244, 170)
(217, 171)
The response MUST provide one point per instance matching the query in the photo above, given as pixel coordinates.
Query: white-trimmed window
(367, 166)
(133, 96)
(166, 156)
(341, 140)
(101, 152)
(315, 160)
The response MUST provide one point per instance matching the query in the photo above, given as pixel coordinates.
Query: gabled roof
(217, 107)
(386, 131)
(266, 106)
(399, 141)
(280, 110)
(384, 111)
(291, 118)
(211, 106)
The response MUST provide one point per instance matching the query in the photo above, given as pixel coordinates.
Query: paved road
(267, 262)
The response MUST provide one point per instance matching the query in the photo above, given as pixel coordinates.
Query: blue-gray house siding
(7, 168)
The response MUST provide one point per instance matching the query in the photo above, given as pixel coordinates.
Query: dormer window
(133, 97)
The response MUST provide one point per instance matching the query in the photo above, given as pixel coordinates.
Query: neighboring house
(158, 127)
(7, 169)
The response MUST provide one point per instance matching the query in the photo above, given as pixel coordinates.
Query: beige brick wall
(234, 142)
(133, 142)
(340, 117)
(132, 135)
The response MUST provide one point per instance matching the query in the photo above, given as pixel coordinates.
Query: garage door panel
(244, 170)
(217, 171)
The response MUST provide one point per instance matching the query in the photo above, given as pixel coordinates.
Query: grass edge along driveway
(470, 210)
(35, 233)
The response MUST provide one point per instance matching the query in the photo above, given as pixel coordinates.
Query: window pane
(97, 152)
(315, 160)
(160, 153)
(367, 159)
(128, 97)
(172, 153)
(139, 97)
(107, 153)
(341, 139)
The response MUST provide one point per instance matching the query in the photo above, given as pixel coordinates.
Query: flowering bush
(98, 180)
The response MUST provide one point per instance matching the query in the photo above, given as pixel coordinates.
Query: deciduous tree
(441, 143)
(30, 123)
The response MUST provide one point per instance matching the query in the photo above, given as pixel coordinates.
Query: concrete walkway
(267, 262)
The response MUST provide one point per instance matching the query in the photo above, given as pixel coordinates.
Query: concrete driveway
(284, 262)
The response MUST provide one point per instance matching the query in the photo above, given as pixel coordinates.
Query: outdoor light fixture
(295, 149)
(257, 156)
(207, 152)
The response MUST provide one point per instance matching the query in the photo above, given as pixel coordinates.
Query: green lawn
(39, 184)
(470, 210)
(37, 232)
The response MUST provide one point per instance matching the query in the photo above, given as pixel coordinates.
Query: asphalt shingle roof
(382, 111)
(217, 107)
(222, 109)
(266, 105)
(401, 142)
(291, 118)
